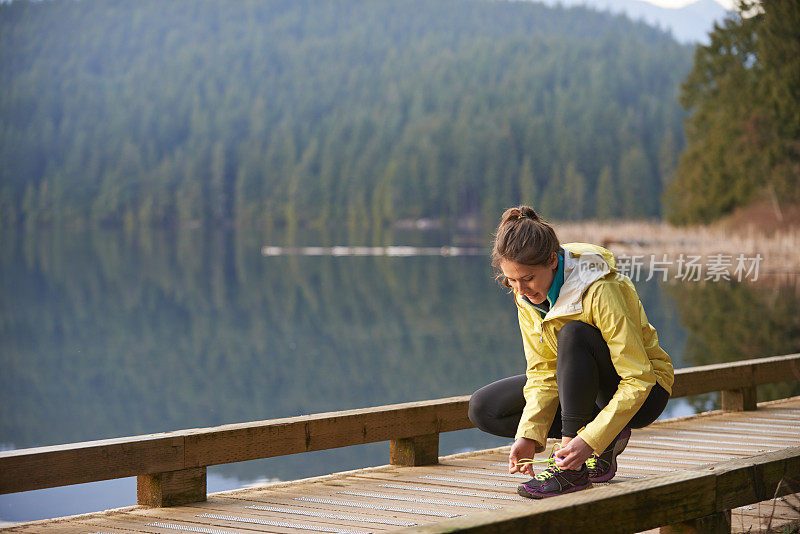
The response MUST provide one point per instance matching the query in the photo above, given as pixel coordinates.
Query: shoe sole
(523, 491)
(619, 446)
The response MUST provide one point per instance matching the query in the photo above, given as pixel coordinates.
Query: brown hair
(523, 237)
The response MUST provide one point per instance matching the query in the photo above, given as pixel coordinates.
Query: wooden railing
(736, 380)
(171, 466)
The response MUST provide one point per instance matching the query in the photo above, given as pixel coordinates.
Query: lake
(106, 334)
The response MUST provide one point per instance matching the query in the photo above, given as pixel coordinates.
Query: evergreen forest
(743, 129)
(331, 112)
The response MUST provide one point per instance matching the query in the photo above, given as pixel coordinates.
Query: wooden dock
(721, 471)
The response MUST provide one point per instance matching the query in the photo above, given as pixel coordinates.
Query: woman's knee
(496, 408)
(652, 408)
(480, 409)
(577, 331)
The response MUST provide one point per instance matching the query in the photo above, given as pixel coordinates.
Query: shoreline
(780, 250)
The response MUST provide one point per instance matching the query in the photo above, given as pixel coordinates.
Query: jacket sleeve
(540, 390)
(618, 314)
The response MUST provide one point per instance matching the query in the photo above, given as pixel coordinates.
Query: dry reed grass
(780, 250)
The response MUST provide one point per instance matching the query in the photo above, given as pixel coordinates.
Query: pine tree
(608, 195)
(527, 182)
(382, 197)
(637, 185)
(553, 203)
(667, 159)
(574, 193)
(779, 56)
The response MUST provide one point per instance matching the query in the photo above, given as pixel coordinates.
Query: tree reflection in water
(729, 321)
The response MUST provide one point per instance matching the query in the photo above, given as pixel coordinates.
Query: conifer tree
(553, 203)
(574, 193)
(608, 195)
(527, 182)
(743, 100)
(636, 184)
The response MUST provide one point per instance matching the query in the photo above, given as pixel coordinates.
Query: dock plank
(286, 504)
(317, 499)
(240, 518)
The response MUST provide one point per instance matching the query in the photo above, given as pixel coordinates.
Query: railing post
(417, 450)
(716, 523)
(738, 400)
(172, 488)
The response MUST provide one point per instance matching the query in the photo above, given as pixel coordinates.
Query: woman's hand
(522, 448)
(573, 454)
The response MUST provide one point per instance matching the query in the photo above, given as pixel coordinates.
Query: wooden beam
(738, 400)
(716, 523)
(76, 463)
(419, 450)
(777, 369)
(172, 488)
(736, 375)
(265, 439)
(747, 480)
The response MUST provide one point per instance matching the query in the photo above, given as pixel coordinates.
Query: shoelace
(551, 469)
(591, 462)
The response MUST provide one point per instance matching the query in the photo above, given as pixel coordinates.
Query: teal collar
(558, 281)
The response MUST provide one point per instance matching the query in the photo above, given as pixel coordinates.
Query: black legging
(586, 382)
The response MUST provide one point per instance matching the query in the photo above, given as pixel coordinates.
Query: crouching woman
(594, 365)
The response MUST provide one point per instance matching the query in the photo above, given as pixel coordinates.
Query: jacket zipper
(541, 329)
(541, 332)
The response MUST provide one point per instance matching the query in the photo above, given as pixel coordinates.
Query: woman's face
(532, 281)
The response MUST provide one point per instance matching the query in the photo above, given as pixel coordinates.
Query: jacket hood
(584, 264)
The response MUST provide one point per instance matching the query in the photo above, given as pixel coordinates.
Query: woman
(594, 366)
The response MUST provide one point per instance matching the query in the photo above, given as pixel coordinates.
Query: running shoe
(555, 481)
(602, 468)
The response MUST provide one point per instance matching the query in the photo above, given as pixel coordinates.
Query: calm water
(104, 334)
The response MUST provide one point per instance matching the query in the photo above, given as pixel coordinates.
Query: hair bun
(520, 212)
(527, 211)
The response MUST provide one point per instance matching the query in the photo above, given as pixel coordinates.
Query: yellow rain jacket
(594, 293)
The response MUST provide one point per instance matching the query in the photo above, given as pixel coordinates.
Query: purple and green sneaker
(554, 481)
(602, 468)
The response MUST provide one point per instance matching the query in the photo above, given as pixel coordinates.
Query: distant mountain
(689, 24)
